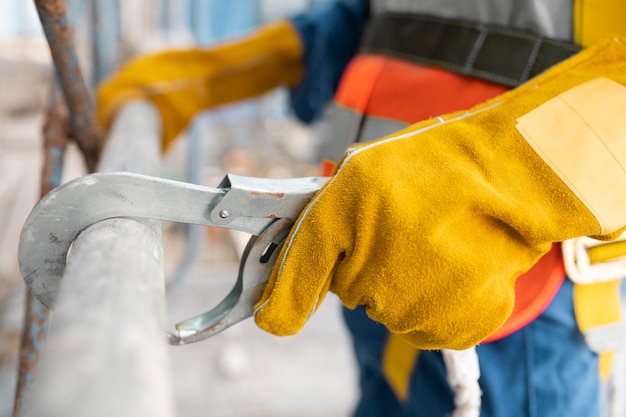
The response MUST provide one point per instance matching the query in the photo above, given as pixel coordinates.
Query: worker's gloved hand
(183, 82)
(430, 227)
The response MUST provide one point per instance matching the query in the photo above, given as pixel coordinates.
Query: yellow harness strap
(598, 308)
(399, 358)
(598, 313)
(595, 19)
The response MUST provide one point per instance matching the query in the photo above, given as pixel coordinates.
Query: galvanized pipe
(106, 353)
(59, 33)
(36, 317)
(70, 88)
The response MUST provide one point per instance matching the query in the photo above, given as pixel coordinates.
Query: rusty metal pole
(53, 16)
(59, 33)
(55, 138)
(35, 327)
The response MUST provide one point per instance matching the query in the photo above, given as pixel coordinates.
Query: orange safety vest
(380, 94)
(378, 90)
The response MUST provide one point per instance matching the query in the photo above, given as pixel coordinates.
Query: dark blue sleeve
(330, 34)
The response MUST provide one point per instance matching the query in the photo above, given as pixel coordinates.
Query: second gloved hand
(183, 82)
(429, 228)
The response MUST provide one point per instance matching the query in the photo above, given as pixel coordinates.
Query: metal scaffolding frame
(113, 360)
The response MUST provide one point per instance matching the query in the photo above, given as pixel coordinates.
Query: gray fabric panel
(338, 131)
(343, 127)
(551, 18)
(375, 128)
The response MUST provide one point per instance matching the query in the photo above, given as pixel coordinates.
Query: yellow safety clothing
(183, 82)
(430, 227)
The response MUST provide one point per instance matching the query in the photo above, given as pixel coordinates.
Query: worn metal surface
(56, 131)
(105, 353)
(59, 33)
(247, 204)
(241, 203)
(255, 268)
(36, 317)
(33, 336)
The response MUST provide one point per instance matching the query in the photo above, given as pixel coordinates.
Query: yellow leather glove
(430, 227)
(182, 83)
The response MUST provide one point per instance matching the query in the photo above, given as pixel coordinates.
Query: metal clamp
(265, 208)
(256, 265)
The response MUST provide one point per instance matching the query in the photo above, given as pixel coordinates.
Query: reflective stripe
(608, 337)
(399, 90)
(371, 97)
(339, 130)
(552, 18)
(399, 358)
(347, 127)
(595, 19)
(575, 137)
(376, 127)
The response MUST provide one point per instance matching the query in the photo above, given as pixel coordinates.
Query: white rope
(463, 372)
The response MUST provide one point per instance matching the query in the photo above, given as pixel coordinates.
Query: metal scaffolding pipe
(106, 353)
(36, 316)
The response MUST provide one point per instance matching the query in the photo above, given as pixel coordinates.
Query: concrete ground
(246, 372)
(241, 372)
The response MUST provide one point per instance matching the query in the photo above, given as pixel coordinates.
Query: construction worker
(489, 132)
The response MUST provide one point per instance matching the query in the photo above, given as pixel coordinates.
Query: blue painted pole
(55, 138)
